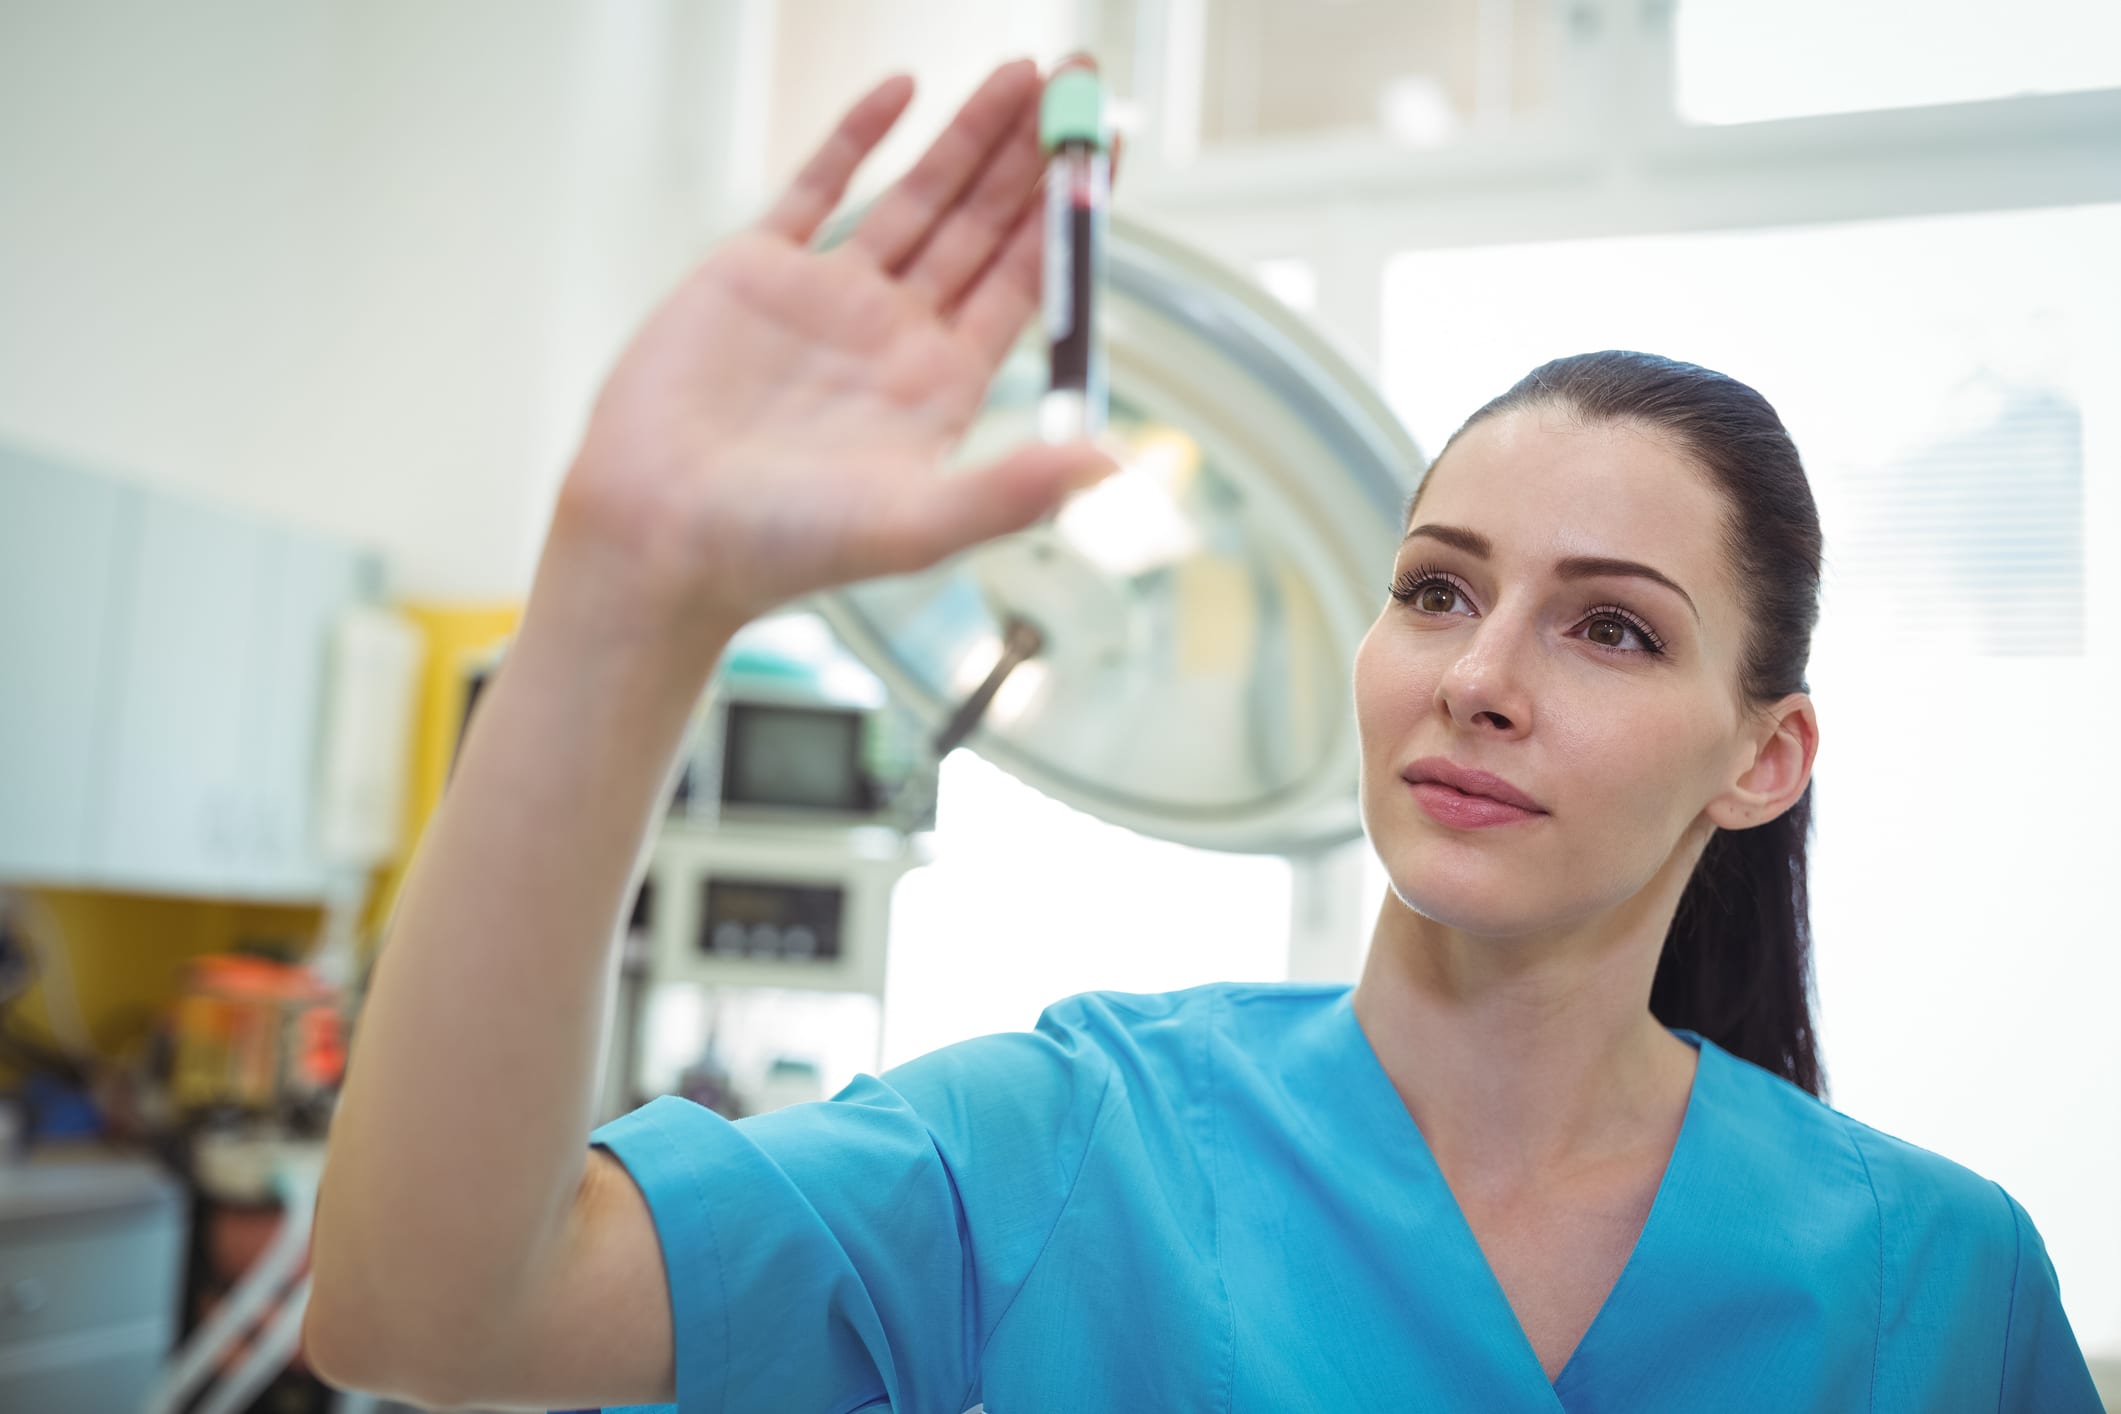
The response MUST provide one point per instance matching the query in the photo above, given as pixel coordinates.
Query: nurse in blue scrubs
(1564, 1146)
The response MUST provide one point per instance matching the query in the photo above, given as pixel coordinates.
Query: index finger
(903, 216)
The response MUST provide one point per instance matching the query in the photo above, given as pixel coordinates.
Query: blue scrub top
(1214, 1199)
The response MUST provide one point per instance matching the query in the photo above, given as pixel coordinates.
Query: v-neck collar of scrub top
(1664, 1258)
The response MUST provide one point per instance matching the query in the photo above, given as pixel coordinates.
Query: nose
(1485, 686)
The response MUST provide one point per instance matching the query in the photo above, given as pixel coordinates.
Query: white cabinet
(310, 583)
(60, 534)
(173, 741)
(172, 813)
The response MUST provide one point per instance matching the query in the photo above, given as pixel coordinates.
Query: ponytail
(1736, 965)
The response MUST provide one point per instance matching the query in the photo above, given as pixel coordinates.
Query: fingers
(817, 189)
(967, 238)
(993, 311)
(904, 216)
(956, 512)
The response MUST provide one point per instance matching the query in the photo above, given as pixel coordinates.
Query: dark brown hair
(1737, 959)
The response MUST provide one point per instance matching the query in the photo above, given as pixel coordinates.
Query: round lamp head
(1198, 612)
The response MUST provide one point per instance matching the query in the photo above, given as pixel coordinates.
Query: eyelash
(1407, 588)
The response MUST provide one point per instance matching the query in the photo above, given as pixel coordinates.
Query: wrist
(603, 601)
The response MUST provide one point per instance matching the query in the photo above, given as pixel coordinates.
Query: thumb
(1006, 495)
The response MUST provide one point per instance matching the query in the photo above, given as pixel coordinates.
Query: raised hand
(780, 423)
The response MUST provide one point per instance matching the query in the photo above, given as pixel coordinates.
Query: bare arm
(777, 426)
(457, 1152)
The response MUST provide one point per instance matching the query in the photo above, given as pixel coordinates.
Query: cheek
(1636, 770)
(1373, 690)
(1389, 693)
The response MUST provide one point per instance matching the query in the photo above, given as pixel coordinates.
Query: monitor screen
(800, 757)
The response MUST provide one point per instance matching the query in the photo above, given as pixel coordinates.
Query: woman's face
(1503, 664)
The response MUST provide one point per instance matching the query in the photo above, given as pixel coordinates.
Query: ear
(1776, 770)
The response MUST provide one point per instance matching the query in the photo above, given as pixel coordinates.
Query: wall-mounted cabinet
(60, 536)
(166, 665)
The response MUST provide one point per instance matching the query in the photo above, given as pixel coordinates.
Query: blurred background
(302, 309)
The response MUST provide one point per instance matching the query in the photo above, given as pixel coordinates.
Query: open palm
(780, 423)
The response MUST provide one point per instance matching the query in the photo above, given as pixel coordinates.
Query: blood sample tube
(1076, 135)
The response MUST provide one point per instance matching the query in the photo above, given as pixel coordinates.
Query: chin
(1491, 905)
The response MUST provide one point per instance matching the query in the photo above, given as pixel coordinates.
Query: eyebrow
(1574, 567)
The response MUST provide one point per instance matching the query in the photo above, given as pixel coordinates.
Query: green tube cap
(1072, 109)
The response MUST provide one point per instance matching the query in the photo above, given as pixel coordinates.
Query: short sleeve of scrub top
(1215, 1200)
(856, 1253)
(2041, 1361)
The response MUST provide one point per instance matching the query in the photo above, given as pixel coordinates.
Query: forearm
(459, 1140)
(776, 427)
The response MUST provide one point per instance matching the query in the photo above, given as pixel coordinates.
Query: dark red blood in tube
(1071, 352)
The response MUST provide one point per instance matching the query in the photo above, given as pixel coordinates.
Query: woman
(1558, 1149)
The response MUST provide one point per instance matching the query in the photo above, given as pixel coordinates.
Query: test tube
(1076, 136)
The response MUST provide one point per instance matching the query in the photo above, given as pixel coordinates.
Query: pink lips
(1467, 811)
(1466, 781)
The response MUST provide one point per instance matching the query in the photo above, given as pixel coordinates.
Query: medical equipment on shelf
(798, 803)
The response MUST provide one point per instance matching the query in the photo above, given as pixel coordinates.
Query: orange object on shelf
(254, 1034)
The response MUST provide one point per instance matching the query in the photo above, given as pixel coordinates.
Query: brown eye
(1622, 623)
(1415, 587)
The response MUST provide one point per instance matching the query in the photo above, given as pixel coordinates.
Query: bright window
(1741, 61)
